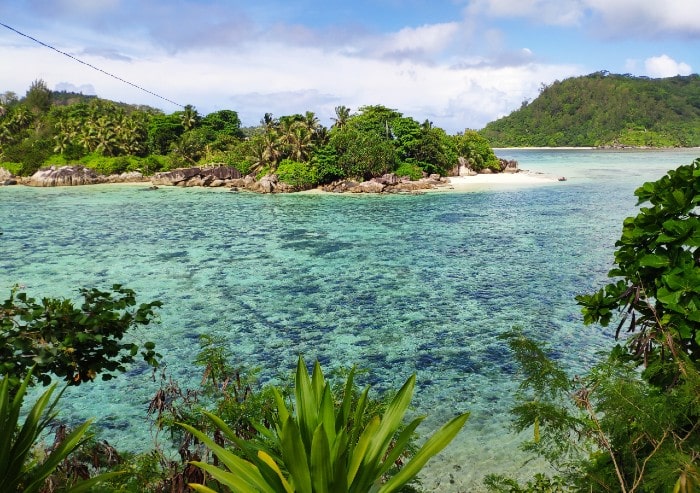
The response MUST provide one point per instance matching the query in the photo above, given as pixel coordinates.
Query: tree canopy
(54, 128)
(603, 109)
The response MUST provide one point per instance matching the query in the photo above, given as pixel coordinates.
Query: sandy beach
(490, 181)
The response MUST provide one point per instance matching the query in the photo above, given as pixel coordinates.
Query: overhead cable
(91, 66)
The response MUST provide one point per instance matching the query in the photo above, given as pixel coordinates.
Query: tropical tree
(38, 97)
(363, 155)
(476, 150)
(223, 122)
(658, 267)
(163, 131)
(54, 337)
(342, 115)
(616, 427)
(189, 117)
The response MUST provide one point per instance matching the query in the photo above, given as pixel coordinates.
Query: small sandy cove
(487, 181)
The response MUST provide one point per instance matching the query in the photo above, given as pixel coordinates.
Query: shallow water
(395, 284)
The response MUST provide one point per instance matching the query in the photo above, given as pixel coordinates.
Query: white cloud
(554, 12)
(665, 66)
(423, 40)
(613, 18)
(647, 18)
(292, 79)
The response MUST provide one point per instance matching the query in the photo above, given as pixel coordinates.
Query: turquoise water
(394, 284)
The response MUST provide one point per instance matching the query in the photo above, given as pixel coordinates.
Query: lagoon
(396, 284)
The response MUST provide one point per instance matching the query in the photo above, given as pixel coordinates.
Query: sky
(457, 63)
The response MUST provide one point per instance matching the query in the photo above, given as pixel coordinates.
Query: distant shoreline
(571, 148)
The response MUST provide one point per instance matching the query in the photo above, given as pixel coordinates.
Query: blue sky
(458, 63)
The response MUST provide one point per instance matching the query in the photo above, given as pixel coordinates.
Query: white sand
(496, 180)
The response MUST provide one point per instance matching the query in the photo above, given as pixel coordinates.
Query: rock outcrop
(189, 177)
(389, 183)
(59, 176)
(7, 178)
(128, 177)
(509, 166)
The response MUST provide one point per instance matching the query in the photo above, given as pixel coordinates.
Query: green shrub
(31, 152)
(14, 168)
(411, 170)
(86, 338)
(19, 470)
(299, 175)
(318, 446)
(105, 165)
(154, 163)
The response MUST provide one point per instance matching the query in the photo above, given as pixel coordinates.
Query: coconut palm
(190, 117)
(299, 141)
(268, 122)
(342, 115)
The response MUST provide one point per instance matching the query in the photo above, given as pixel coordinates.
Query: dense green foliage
(56, 338)
(603, 109)
(75, 343)
(252, 418)
(616, 428)
(322, 446)
(19, 470)
(658, 263)
(49, 128)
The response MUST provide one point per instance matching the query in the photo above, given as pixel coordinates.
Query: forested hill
(603, 109)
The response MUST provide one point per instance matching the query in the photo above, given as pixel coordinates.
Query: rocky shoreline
(213, 177)
(221, 176)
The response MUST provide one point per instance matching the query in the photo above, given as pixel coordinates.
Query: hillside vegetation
(55, 128)
(603, 109)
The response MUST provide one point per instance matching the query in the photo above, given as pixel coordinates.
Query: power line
(91, 66)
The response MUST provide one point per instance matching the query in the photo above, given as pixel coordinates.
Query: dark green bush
(413, 171)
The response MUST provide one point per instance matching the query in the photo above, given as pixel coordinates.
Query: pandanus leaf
(295, 456)
(430, 448)
(243, 474)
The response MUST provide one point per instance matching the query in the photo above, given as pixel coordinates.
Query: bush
(615, 426)
(323, 444)
(299, 175)
(14, 168)
(413, 171)
(19, 469)
(105, 165)
(84, 339)
(149, 164)
(31, 153)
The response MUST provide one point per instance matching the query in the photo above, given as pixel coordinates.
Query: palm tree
(21, 117)
(311, 122)
(269, 123)
(342, 115)
(300, 141)
(189, 117)
(272, 151)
